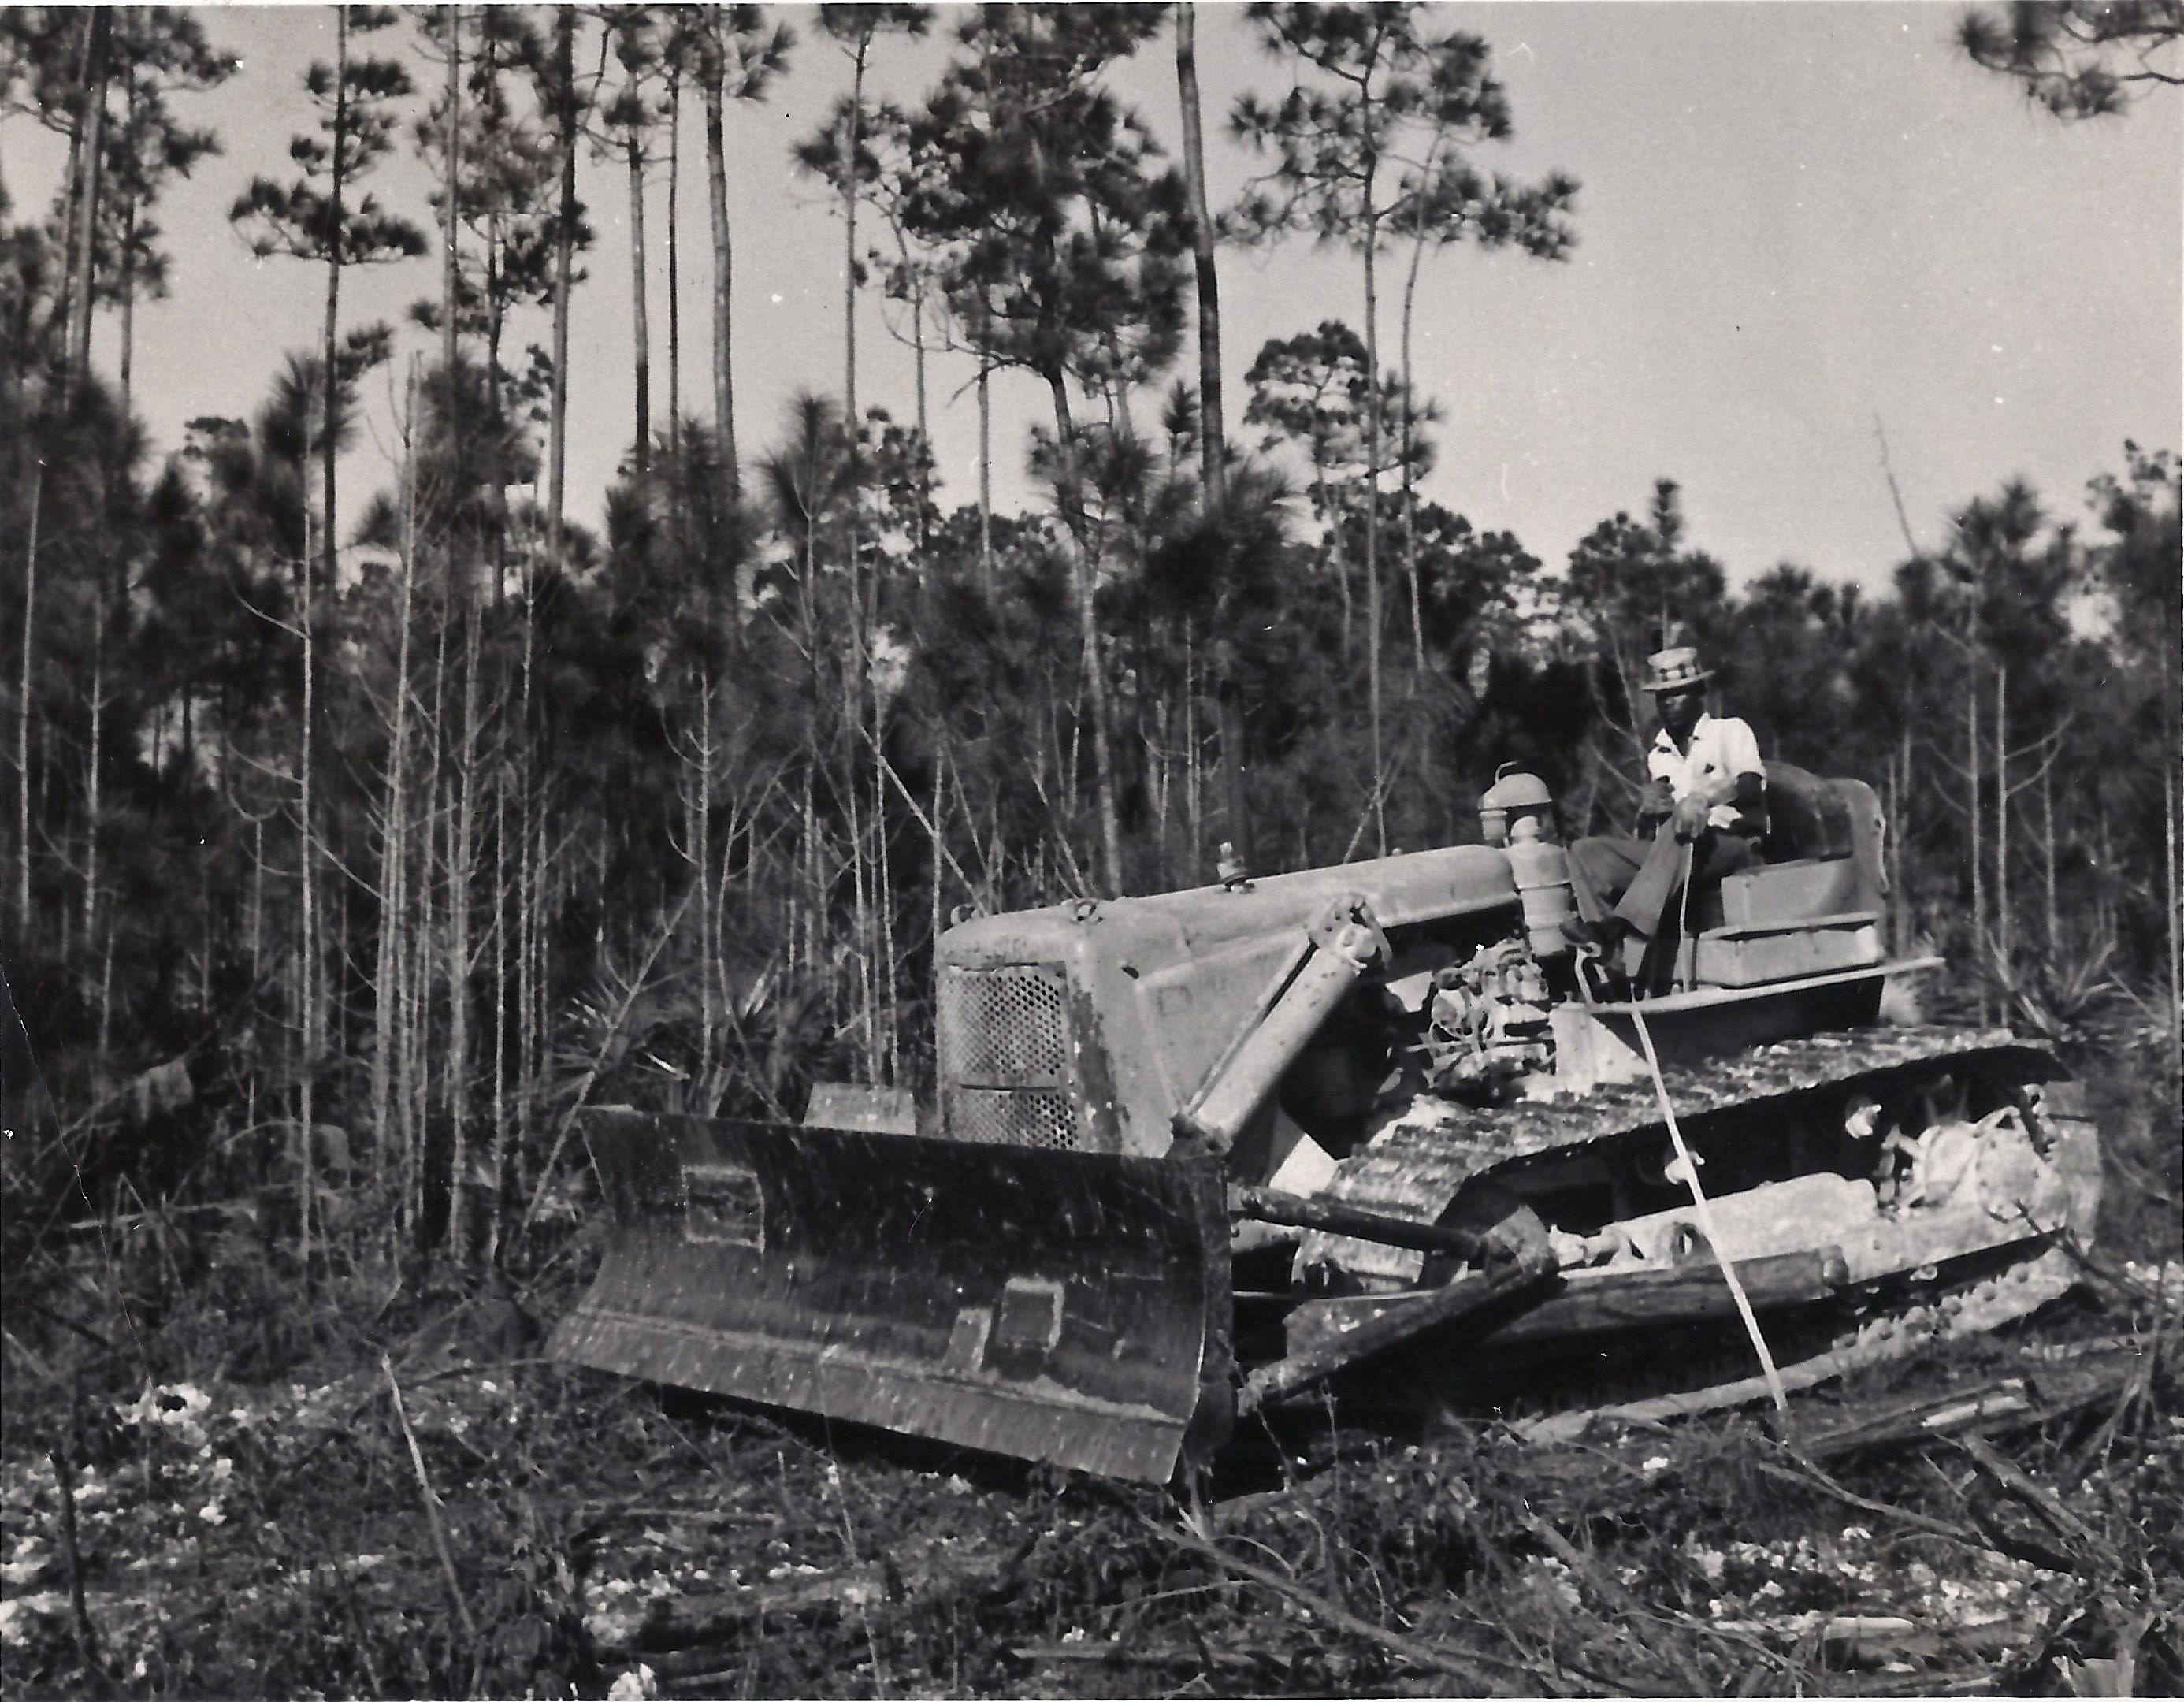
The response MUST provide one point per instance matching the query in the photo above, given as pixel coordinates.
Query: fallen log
(2039, 1392)
(714, 1616)
(1973, 1682)
(1868, 1641)
(1587, 1305)
(1314, 1365)
(1153, 1654)
(682, 1633)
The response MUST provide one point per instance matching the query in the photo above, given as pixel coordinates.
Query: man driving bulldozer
(1705, 799)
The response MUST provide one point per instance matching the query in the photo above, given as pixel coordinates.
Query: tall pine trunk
(93, 129)
(530, 979)
(924, 428)
(853, 557)
(701, 817)
(22, 714)
(640, 327)
(564, 248)
(72, 207)
(1095, 682)
(335, 219)
(133, 100)
(450, 215)
(497, 1167)
(2004, 933)
(428, 956)
(1372, 522)
(890, 981)
(716, 193)
(93, 770)
(2172, 870)
(128, 292)
(1212, 437)
(1212, 429)
(1899, 838)
(307, 968)
(864, 602)
(458, 936)
(1972, 814)
(1410, 482)
(2047, 833)
(387, 979)
(985, 473)
(1324, 501)
(674, 267)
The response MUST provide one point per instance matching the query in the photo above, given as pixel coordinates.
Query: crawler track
(1415, 1167)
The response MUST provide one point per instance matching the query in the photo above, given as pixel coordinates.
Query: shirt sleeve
(1740, 750)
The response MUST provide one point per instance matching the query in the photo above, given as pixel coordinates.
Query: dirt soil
(2007, 1516)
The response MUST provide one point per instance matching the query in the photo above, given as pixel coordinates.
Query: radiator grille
(1005, 1028)
(1004, 1043)
(1012, 1117)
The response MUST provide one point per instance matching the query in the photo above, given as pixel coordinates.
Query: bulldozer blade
(1059, 1306)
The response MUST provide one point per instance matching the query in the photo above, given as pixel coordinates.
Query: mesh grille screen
(1005, 1028)
(1012, 1117)
(1005, 1055)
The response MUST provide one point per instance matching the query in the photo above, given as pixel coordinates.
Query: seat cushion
(1772, 894)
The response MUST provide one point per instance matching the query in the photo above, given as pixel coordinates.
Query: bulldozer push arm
(1336, 950)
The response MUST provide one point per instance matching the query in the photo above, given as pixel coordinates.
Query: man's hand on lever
(1690, 817)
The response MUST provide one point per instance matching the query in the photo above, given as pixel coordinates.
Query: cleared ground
(2006, 1517)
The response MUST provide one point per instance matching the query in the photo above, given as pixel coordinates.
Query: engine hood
(1147, 936)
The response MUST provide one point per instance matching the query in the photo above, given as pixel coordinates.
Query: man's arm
(1751, 802)
(1656, 803)
(1740, 781)
(1740, 754)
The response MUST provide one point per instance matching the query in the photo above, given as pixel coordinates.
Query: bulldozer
(1378, 1131)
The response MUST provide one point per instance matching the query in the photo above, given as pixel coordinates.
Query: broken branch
(431, 1505)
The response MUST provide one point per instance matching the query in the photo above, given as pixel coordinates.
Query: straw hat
(1676, 670)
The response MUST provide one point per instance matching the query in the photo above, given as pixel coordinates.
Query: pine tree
(158, 51)
(320, 215)
(2080, 58)
(1373, 125)
(1060, 241)
(735, 56)
(630, 122)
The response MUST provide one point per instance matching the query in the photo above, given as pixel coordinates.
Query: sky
(1800, 227)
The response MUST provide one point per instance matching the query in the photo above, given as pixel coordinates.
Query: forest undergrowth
(377, 1486)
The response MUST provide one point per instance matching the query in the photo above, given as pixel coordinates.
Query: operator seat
(1816, 899)
(1808, 818)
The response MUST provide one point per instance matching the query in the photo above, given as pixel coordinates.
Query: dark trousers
(1636, 881)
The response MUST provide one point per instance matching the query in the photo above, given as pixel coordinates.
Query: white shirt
(1721, 747)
